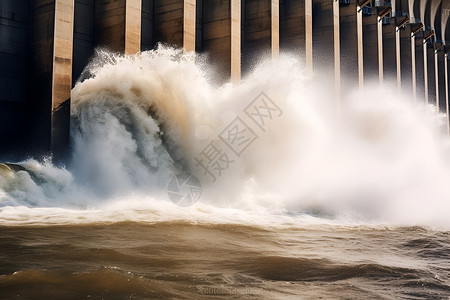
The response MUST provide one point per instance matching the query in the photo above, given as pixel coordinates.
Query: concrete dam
(46, 44)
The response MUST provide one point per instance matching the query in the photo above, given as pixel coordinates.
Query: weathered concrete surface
(189, 25)
(235, 40)
(256, 40)
(217, 36)
(168, 16)
(275, 28)
(38, 68)
(62, 77)
(133, 20)
(292, 27)
(110, 24)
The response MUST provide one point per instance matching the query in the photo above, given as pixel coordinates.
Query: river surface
(181, 260)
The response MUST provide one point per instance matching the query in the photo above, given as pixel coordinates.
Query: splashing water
(137, 120)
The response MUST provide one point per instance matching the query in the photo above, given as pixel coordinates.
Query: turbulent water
(291, 199)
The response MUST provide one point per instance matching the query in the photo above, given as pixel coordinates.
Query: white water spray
(140, 119)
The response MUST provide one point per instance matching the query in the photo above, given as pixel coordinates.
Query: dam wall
(46, 44)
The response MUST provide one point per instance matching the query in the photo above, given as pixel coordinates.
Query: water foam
(136, 120)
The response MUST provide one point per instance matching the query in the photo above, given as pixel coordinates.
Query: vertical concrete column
(62, 52)
(308, 36)
(446, 91)
(380, 50)
(189, 26)
(436, 76)
(133, 26)
(337, 55)
(413, 66)
(275, 28)
(398, 58)
(235, 41)
(398, 48)
(425, 70)
(61, 75)
(445, 15)
(257, 33)
(359, 26)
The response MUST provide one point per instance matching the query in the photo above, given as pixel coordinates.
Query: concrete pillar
(413, 66)
(235, 41)
(440, 86)
(337, 55)
(62, 76)
(380, 50)
(398, 59)
(436, 79)
(308, 36)
(133, 26)
(275, 28)
(189, 25)
(446, 91)
(360, 49)
(51, 77)
(425, 71)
